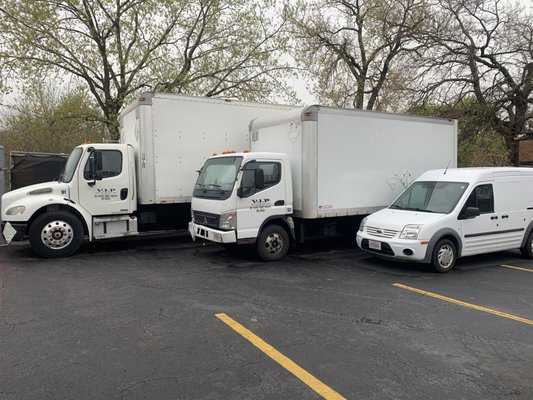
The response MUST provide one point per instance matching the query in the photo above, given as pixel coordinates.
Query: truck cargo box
(172, 135)
(349, 162)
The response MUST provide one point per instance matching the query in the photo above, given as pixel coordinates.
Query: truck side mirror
(469, 213)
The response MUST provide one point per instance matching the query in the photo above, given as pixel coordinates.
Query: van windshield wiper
(396, 207)
(417, 209)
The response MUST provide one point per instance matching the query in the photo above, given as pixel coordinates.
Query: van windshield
(433, 197)
(217, 178)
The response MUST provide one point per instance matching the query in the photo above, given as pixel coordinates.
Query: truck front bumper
(214, 235)
(399, 249)
(11, 231)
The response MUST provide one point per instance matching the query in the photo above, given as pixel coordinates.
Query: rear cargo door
(256, 205)
(109, 190)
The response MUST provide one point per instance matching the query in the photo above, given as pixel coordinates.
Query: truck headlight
(410, 232)
(363, 223)
(228, 221)
(18, 210)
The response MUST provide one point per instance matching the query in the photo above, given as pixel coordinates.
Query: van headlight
(410, 232)
(363, 223)
(228, 221)
(18, 210)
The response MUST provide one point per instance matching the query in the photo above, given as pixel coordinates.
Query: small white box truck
(142, 184)
(312, 171)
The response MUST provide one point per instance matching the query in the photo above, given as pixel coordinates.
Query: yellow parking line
(319, 387)
(464, 304)
(518, 268)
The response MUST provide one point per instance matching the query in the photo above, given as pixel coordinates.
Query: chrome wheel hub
(274, 243)
(57, 234)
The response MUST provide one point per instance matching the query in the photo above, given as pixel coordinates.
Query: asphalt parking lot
(165, 318)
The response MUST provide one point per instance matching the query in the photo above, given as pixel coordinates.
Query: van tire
(527, 250)
(56, 234)
(273, 243)
(444, 256)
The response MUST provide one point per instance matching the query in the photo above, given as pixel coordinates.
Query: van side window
(482, 197)
(271, 173)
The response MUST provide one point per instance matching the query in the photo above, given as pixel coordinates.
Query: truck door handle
(123, 193)
(495, 217)
(279, 203)
(505, 216)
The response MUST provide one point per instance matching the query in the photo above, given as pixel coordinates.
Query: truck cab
(95, 196)
(245, 198)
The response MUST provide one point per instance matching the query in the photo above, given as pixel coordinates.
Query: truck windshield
(70, 166)
(433, 197)
(217, 178)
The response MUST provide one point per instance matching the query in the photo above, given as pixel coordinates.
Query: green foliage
(119, 48)
(44, 120)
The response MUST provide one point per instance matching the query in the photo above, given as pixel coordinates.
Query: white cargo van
(446, 214)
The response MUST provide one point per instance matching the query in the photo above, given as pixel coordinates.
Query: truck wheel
(444, 256)
(527, 250)
(273, 243)
(56, 234)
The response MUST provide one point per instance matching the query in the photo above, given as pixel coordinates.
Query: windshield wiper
(396, 207)
(417, 209)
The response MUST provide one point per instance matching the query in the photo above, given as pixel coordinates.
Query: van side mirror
(469, 213)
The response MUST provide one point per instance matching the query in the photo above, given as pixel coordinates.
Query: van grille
(380, 232)
(206, 219)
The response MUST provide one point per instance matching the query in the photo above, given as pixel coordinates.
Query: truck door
(106, 182)
(258, 201)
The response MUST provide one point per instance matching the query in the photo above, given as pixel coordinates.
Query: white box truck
(142, 184)
(313, 170)
(451, 213)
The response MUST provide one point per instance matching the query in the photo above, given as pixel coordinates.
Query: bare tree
(120, 47)
(482, 48)
(356, 48)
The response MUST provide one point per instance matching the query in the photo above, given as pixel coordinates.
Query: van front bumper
(214, 235)
(399, 249)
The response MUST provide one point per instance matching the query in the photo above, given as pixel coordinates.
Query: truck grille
(380, 232)
(206, 219)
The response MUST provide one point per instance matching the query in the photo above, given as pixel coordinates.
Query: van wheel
(444, 256)
(56, 234)
(527, 250)
(273, 243)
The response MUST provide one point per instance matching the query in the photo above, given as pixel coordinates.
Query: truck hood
(17, 196)
(396, 220)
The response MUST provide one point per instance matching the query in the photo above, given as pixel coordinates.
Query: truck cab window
(482, 197)
(111, 165)
(271, 173)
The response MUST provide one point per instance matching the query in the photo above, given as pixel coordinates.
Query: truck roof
(311, 113)
(472, 174)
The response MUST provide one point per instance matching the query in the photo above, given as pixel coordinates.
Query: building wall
(525, 152)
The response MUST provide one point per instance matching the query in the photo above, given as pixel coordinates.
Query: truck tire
(527, 250)
(444, 256)
(273, 243)
(56, 234)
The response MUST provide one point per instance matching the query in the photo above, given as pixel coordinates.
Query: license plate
(374, 245)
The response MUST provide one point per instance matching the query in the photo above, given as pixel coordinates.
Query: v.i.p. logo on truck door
(260, 205)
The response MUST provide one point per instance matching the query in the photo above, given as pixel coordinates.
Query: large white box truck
(142, 184)
(312, 171)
